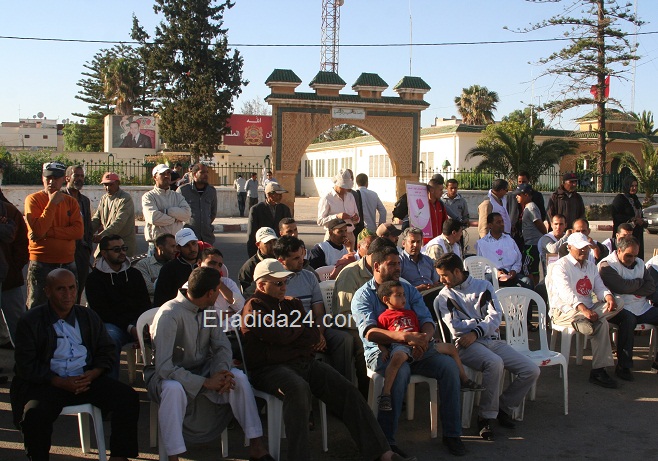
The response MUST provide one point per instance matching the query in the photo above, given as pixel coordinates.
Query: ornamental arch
(298, 118)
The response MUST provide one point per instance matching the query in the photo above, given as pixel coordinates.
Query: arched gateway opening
(298, 118)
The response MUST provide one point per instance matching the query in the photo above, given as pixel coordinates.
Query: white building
(31, 134)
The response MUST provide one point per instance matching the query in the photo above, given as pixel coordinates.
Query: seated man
(193, 374)
(176, 272)
(554, 240)
(366, 308)
(573, 281)
(333, 251)
(625, 275)
(304, 286)
(389, 231)
(417, 268)
(165, 251)
(503, 252)
(118, 294)
(63, 354)
(280, 357)
(598, 250)
(447, 242)
(265, 239)
(467, 306)
(623, 230)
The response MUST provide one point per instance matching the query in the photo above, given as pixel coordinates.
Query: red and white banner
(249, 130)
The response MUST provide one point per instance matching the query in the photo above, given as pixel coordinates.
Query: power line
(310, 45)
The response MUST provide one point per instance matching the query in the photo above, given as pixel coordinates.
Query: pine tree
(195, 75)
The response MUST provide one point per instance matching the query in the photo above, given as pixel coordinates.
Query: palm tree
(122, 84)
(476, 105)
(645, 171)
(509, 147)
(644, 123)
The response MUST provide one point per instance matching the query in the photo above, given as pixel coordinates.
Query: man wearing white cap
(339, 203)
(115, 214)
(165, 211)
(573, 280)
(266, 214)
(174, 273)
(265, 238)
(280, 357)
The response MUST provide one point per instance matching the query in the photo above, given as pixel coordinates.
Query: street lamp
(445, 165)
(110, 159)
(421, 167)
(267, 163)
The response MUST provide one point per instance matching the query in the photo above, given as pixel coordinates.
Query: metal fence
(469, 179)
(132, 172)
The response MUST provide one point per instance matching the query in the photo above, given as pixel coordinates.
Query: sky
(41, 76)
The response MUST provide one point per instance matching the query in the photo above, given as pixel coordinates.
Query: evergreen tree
(195, 75)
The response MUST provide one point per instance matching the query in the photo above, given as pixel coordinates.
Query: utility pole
(330, 33)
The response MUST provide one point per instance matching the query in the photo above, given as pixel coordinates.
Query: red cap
(110, 177)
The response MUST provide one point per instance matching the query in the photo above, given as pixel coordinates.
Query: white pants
(173, 403)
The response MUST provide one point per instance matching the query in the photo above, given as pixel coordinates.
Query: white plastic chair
(641, 327)
(324, 272)
(377, 384)
(514, 302)
(131, 360)
(147, 319)
(477, 268)
(84, 411)
(327, 289)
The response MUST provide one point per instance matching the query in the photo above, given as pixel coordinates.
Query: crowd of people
(403, 303)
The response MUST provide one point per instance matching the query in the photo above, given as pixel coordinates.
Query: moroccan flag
(606, 90)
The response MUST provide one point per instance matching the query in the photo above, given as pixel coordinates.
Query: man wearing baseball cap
(174, 273)
(573, 280)
(390, 232)
(266, 214)
(265, 239)
(54, 224)
(115, 214)
(165, 211)
(567, 201)
(280, 356)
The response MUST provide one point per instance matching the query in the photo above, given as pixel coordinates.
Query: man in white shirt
(573, 280)
(371, 204)
(553, 241)
(503, 252)
(598, 250)
(448, 241)
(496, 201)
(339, 203)
(240, 185)
(623, 230)
(625, 275)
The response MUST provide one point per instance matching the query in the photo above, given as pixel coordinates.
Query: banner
(249, 130)
(419, 210)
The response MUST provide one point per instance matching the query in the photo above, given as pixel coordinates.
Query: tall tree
(644, 123)
(528, 116)
(509, 147)
(598, 50)
(255, 106)
(646, 171)
(122, 84)
(194, 73)
(476, 105)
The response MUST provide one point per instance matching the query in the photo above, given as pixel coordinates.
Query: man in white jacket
(165, 211)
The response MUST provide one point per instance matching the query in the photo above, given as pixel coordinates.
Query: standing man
(268, 178)
(202, 199)
(455, 204)
(438, 212)
(496, 201)
(117, 293)
(266, 214)
(165, 251)
(371, 204)
(252, 189)
(115, 214)
(74, 181)
(63, 354)
(532, 230)
(537, 197)
(339, 203)
(567, 201)
(13, 248)
(165, 211)
(468, 307)
(135, 138)
(54, 223)
(174, 273)
(240, 185)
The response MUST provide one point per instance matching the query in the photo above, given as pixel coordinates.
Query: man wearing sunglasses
(118, 294)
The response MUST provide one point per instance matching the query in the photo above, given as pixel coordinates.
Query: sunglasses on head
(116, 249)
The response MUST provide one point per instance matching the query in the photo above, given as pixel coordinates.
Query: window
(332, 167)
(45, 136)
(428, 159)
(346, 163)
(319, 168)
(380, 167)
(26, 136)
(308, 168)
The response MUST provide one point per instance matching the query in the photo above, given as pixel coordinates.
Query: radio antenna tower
(330, 29)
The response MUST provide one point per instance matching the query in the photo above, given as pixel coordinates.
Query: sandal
(384, 402)
(471, 386)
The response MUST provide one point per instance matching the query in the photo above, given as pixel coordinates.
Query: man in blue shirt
(366, 308)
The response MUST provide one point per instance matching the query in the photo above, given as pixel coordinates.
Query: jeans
(432, 365)
(36, 280)
(626, 322)
(253, 201)
(242, 199)
(120, 337)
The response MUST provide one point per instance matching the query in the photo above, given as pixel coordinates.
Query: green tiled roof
(283, 75)
(610, 114)
(415, 83)
(355, 98)
(368, 79)
(327, 78)
(462, 128)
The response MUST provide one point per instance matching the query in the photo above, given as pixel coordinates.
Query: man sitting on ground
(265, 239)
(165, 251)
(174, 274)
(193, 373)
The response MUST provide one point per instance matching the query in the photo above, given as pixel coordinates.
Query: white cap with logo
(265, 234)
(184, 236)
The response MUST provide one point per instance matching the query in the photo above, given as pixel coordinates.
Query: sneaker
(472, 386)
(654, 367)
(484, 425)
(601, 378)
(624, 373)
(384, 402)
(506, 420)
(455, 445)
